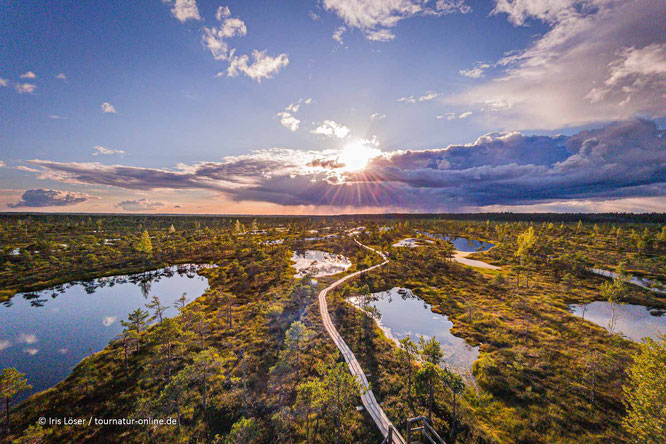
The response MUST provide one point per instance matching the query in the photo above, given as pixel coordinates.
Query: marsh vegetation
(246, 357)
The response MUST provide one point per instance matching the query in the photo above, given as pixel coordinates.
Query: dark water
(406, 314)
(461, 243)
(45, 334)
(633, 321)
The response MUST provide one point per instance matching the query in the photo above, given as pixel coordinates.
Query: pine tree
(135, 324)
(144, 244)
(12, 382)
(409, 352)
(431, 354)
(645, 394)
(157, 307)
(297, 340)
(341, 390)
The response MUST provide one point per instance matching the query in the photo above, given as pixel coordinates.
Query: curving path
(461, 256)
(367, 397)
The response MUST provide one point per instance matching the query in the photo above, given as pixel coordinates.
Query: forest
(250, 359)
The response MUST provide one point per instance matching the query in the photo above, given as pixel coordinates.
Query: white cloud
(29, 75)
(264, 66)
(56, 117)
(4, 344)
(632, 71)
(2, 164)
(3, 82)
(313, 16)
(222, 12)
(108, 320)
(61, 76)
(105, 151)
(293, 107)
(232, 27)
(519, 11)
(453, 116)
(139, 205)
(375, 17)
(288, 120)
(475, 73)
(31, 351)
(381, 35)
(429, 96)
(214, 39)
(600, 60)
(108, 108)
(25, 88)
(424, 98)
(330, 128)
(217, 47)
(337, 34)
(377, 116)
(27, 338)
(185, 10)
(452, 6)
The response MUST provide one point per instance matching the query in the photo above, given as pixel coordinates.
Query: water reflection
(319, 263)
(402, 313)
(461, 243)
(45, 334)
(411, 243)
(634, 321)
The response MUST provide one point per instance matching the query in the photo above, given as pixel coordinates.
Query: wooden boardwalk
(368, 398)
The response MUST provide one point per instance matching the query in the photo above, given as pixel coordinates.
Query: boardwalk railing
(427, 432)
(385, 426)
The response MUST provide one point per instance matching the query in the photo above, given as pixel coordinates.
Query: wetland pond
(319, 263)
(634, 321)
(402, 313)
(461, 243)
(45, 334)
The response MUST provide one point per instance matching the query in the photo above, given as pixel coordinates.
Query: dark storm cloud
(626, 159)
(623, 159)
(48, 198)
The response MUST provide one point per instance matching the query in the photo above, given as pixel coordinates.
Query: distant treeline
(654, 218)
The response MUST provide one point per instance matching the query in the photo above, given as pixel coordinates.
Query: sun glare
(356, 155)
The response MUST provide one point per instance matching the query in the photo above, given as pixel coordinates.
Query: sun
(356, 155)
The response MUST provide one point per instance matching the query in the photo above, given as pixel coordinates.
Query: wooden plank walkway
(368, 398)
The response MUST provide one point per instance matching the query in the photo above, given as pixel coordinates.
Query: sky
(333, 106)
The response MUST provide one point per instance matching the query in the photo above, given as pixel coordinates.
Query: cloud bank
(49, 198)
(620, 160)
(601, 61)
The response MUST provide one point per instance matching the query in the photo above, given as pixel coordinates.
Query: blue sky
(287, 84)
